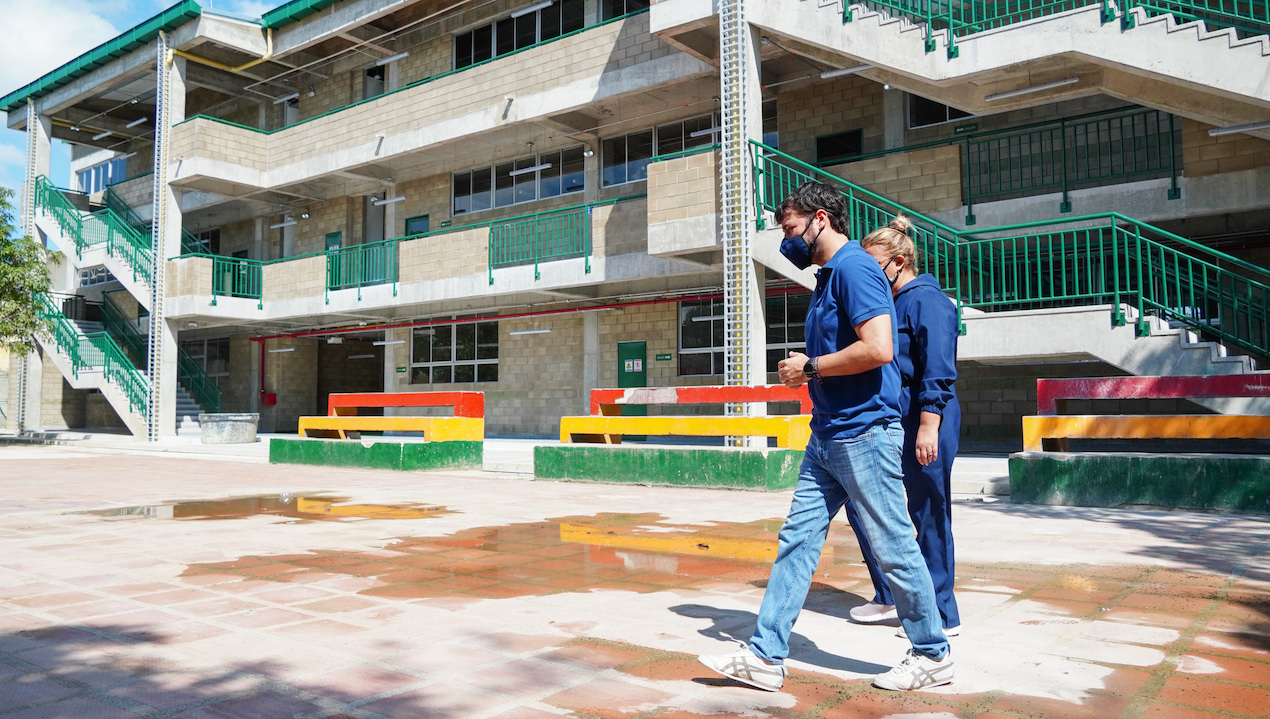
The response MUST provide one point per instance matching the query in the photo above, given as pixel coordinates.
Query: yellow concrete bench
(790, 431)
(434, 429)
(1188, 426)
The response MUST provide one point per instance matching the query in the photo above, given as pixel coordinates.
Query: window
(209, 240)
(618, 8)
(95, 178)
(840, 146)
(770, 136)
(212, 356)
(701, 332)
(924, 113)
(534, 177)
(417, 225)
(290, 112)
(513, 33)
(95, 276)
(458, 353)
(374, 83)
(625, 158)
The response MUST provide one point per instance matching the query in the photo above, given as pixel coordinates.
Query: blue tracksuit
(927, 358)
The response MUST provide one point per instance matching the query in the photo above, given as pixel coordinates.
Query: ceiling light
(392, 59)
(287, 98)
(361, 356)
(124, 157)
(304, 215)
(532, 8)
(136, 122)
(530, 332)
(1031, 89)
(389, 201)
(103, 135)
(844, 71)
(335, 340)
(710, 318)
(707, 131)
(290, 221)
(527, 170)
(282, 349)
(1250, 127)
(381, 343)
(588, 152)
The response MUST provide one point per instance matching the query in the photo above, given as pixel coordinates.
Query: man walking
(854, 451)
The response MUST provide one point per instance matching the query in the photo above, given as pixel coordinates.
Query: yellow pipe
(222, 66)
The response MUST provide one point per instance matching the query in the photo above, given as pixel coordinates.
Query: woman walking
(927, 359)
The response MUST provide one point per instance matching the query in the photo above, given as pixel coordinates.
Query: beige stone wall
(926, 180)
(1205, 155)
(337, 373)
(304, 277)
(293, 377)
(620, 228)
(452, 254)
(236, 236)
(683, 187)
(845, 104)
(429, 195)
(217, 141)
(189, 276)
(60, 405)
(339, 214)
(99, 413)
(427, 59)
(236, 394)
(135, 192)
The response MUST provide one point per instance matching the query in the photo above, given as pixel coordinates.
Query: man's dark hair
(811, 196)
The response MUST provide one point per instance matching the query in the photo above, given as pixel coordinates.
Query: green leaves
(23, 277)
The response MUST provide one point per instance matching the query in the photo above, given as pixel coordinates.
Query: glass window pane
(464, 373)
(573, 15)
(505, 36)
(693, 333)
(774, 358)
(526, 184)
(487, 340)
(504, 184)
(441, 374)
(487, 373)
(573, 175)
(699, 124)
(462, 193)
(526, 30)
(719, 367)
(639, 149)
(549, 178)
(614, 161)
(463, 50)
(482, 193)
(482, 43)
(775, 320)
(465, 342)
(421, 346)
(441, 348)
(796, 316)
(549, 21)
(421, 375)
(694, 363)
(839, 146)
(670, 138)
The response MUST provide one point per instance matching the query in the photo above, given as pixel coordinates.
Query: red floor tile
(608, 699)
(1214, 695)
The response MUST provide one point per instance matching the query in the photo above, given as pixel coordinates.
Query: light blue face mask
(798, 250)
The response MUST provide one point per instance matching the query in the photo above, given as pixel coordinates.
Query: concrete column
(392, 354)
(390, 211)
(288, 241)
(591, 173)
(33, 388)
(590, 358)
(39, 143)
(259, 248)
(892, 119)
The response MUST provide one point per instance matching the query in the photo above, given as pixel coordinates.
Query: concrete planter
(228, 428)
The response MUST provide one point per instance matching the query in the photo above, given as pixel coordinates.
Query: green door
(632, 371)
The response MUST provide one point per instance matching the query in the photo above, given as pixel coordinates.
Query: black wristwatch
(812, 368)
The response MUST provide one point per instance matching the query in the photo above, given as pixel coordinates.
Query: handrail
(361, 266)
(122, 329)
(416, 83)
(684, 153)
(556, 234)
(1092, 259)
(196, 380)
(97, 351)
(95, 228)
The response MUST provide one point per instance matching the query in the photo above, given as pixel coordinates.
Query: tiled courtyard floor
(129, 587)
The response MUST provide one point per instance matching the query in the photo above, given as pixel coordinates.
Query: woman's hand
(928, 438)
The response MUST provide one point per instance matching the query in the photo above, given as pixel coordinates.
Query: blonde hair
(895, 240)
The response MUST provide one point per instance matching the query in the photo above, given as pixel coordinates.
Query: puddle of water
(615, 552)
(299, 507)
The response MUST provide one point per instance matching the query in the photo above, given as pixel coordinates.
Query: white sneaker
(743, 666)
(948, 632)
(916, 672)
(873, 612)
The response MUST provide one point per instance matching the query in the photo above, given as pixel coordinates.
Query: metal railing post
(1066, 205)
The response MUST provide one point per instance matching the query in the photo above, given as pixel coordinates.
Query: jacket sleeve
(934, 323)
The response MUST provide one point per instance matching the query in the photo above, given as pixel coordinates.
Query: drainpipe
(222, 66)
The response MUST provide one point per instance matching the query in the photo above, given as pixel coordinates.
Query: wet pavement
(144, 586)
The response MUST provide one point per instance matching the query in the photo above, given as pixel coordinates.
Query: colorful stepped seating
(1049, 392)
(607, 427)
(344, 422)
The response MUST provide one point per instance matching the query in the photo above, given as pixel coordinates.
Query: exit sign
(665, 357)
(963, 129)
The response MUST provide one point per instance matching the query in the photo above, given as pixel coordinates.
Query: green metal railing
(1069, 154)
(555, 235)
(96, 228)
(189, 243)
(97, 351)
(117, 325)
(197, 382)
(961, 18)
(236, 277)
(361, 266)
(1088, 260)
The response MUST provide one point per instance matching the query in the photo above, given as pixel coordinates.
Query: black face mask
(798, 250)
(894, 279)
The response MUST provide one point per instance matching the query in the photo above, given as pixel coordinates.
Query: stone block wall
(138, 191)
(189, 276)
(926, 180)
(1205, 155)
(217, 141)
(620, 228)
(453, 254)
(60, 405)
(683, 187)
(304, 277)
(99, 414)
(237, 236)
(293, 377)
(844, 104)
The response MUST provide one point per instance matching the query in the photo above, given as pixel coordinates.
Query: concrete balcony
(603, 62)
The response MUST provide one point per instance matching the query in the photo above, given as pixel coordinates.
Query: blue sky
(37, 37)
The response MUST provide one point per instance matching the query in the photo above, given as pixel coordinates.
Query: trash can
(229, 428)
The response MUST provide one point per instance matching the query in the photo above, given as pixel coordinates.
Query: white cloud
(12, 156)
(248, 8)
(37, 37)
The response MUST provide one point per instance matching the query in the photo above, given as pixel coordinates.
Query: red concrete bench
(465, 404)
(1050, 391)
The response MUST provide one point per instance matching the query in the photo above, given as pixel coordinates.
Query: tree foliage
(23, 277)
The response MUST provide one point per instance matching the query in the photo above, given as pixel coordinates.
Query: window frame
(717, 348)
(452, 364)
(948, 109)
(656, 141)
(839, 158)
(469, 37)
(555, 156)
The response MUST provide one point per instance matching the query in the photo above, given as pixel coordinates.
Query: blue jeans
(866, 469)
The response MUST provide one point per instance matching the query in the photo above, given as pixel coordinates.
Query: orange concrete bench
(1186, 426)
(344, 422)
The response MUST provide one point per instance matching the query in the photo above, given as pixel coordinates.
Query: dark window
(701, 345)
(514, 33)
(210, 240)
(923, 112)
(839, 146)
(466, 352)
(770, 137)
(625, 158)
(618, 8)
(525, 179)
(417, 225)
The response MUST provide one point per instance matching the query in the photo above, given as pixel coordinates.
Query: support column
(590, 358)
(39, 159)
(741, 102)
(892, 119)
(165, 234)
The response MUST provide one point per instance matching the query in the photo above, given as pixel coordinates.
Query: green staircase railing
(189, 243)
(117, 325)
(1093, 259)
(92, 229)
(189, 373)
(97, 351)
(554, 235)
(197, 382)
(961, 18)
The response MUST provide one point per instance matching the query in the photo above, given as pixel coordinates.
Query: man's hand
(928, 438)
(790, 370)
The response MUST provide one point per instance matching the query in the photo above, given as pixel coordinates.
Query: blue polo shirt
(850, 289)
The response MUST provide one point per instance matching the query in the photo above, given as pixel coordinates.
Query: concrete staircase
(94, 256)
(93, 378)
(187, 411)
